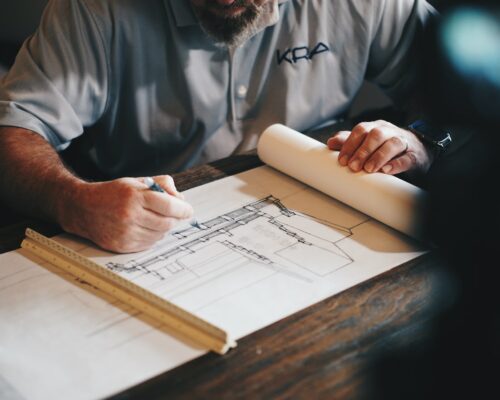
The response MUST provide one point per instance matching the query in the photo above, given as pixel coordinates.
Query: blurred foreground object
(461, 87)
(461, 69)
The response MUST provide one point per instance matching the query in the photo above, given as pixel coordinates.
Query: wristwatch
(436, 138)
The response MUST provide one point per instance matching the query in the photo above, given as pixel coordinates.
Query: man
(154, 87)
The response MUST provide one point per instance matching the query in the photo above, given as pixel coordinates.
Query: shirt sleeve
(399, 27)
(58, 83)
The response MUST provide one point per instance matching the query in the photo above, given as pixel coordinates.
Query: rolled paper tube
(383, 197)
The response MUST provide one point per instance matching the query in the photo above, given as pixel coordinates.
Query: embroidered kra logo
(295, 54)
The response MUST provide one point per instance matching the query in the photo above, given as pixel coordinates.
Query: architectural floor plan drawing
(267, 246)
(259, 233)
(264, 236)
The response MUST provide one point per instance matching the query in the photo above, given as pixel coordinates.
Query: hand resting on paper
(381, 146)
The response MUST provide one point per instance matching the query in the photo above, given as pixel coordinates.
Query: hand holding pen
(126, 215)
(153, 185)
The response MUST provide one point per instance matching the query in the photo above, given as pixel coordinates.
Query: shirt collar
(183, 13)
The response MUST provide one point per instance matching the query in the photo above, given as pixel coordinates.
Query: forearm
(121, 215)
(33, 179)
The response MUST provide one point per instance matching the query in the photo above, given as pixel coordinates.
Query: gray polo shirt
(151, 93)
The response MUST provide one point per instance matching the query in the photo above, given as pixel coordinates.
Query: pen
(152, 185)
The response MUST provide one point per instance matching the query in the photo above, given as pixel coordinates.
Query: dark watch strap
(433, 136)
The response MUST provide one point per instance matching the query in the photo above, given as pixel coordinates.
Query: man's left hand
(381, 146)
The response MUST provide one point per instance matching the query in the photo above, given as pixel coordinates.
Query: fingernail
(369, 166)
(343, 160)
(387, 168)
(354, 165)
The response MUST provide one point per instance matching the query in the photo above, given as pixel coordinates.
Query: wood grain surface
(324, 351)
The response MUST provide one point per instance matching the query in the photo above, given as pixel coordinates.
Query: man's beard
(229, 31)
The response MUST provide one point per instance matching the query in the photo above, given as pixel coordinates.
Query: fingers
(157, 223)
(400, 164)
(337, 140)
(368, 149)
(122, 216)
(167, 205)
(172, 206)
(351, 145)
(168, 184)
(160, 213)
(380, 146)
(385, 153)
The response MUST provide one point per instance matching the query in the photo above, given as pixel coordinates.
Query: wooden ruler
(181, 321)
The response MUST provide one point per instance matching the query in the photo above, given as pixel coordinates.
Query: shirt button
(241, 91)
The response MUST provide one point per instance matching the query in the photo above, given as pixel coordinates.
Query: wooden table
(324, 351)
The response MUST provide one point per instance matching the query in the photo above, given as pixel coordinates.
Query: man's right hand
(123, 215)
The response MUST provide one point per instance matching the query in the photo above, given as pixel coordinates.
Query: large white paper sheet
(269, 246)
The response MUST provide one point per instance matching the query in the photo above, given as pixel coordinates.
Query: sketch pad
(268, 246)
